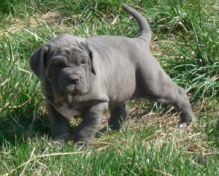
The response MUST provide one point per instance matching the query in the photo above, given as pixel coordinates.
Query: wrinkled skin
(68, 72)
(86, 77)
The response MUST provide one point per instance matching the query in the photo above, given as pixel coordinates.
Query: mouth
(70, 97)
(75, 92)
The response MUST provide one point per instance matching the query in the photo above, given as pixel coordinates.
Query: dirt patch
(191, 140)
(50, 18)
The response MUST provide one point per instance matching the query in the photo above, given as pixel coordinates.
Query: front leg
(59, 125)
(89, 125)
(118, 116)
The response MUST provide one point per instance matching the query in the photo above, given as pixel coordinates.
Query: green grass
(185, 41)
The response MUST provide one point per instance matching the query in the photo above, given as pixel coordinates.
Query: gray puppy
(86, 77)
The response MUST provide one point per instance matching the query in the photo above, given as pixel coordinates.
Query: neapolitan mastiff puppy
(87, 76)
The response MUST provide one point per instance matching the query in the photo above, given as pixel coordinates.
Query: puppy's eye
(84, 61)
(58, 63)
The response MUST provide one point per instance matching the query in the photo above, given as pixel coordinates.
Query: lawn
(186, 43)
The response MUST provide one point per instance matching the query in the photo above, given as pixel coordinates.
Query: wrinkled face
(65, 69)
(68, 71)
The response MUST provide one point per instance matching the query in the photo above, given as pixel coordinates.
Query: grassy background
(185, 41)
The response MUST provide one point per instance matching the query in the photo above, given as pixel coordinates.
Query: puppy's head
(66, 64)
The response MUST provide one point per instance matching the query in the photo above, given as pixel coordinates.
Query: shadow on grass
(30, 121)
(18, 125)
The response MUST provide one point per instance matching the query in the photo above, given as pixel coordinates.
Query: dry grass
(16, 25)
(190, 140)
(139, 148)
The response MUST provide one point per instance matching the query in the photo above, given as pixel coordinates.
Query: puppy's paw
(81, 141)
(61, 139)
(182, 125)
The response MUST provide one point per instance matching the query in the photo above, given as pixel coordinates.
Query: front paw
(61, 138)
(83, 138)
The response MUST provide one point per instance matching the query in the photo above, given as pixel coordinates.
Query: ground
(185, 41)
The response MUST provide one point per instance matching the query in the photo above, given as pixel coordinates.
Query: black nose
(73, 79)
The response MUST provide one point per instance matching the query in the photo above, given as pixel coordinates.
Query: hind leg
(117, 117)
(178, 98)
(163, 89)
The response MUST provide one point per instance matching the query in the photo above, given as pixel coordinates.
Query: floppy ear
(85, 45)
(37, 61)
(91, 60)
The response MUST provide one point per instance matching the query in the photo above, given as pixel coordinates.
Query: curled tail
(145, 31)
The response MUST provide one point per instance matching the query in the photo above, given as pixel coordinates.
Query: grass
(185, 41)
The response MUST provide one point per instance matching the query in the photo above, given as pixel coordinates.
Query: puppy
(87, 76)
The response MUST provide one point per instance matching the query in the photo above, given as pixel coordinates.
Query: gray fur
(87, 76)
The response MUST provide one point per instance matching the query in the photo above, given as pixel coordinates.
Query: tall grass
(195, 27)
